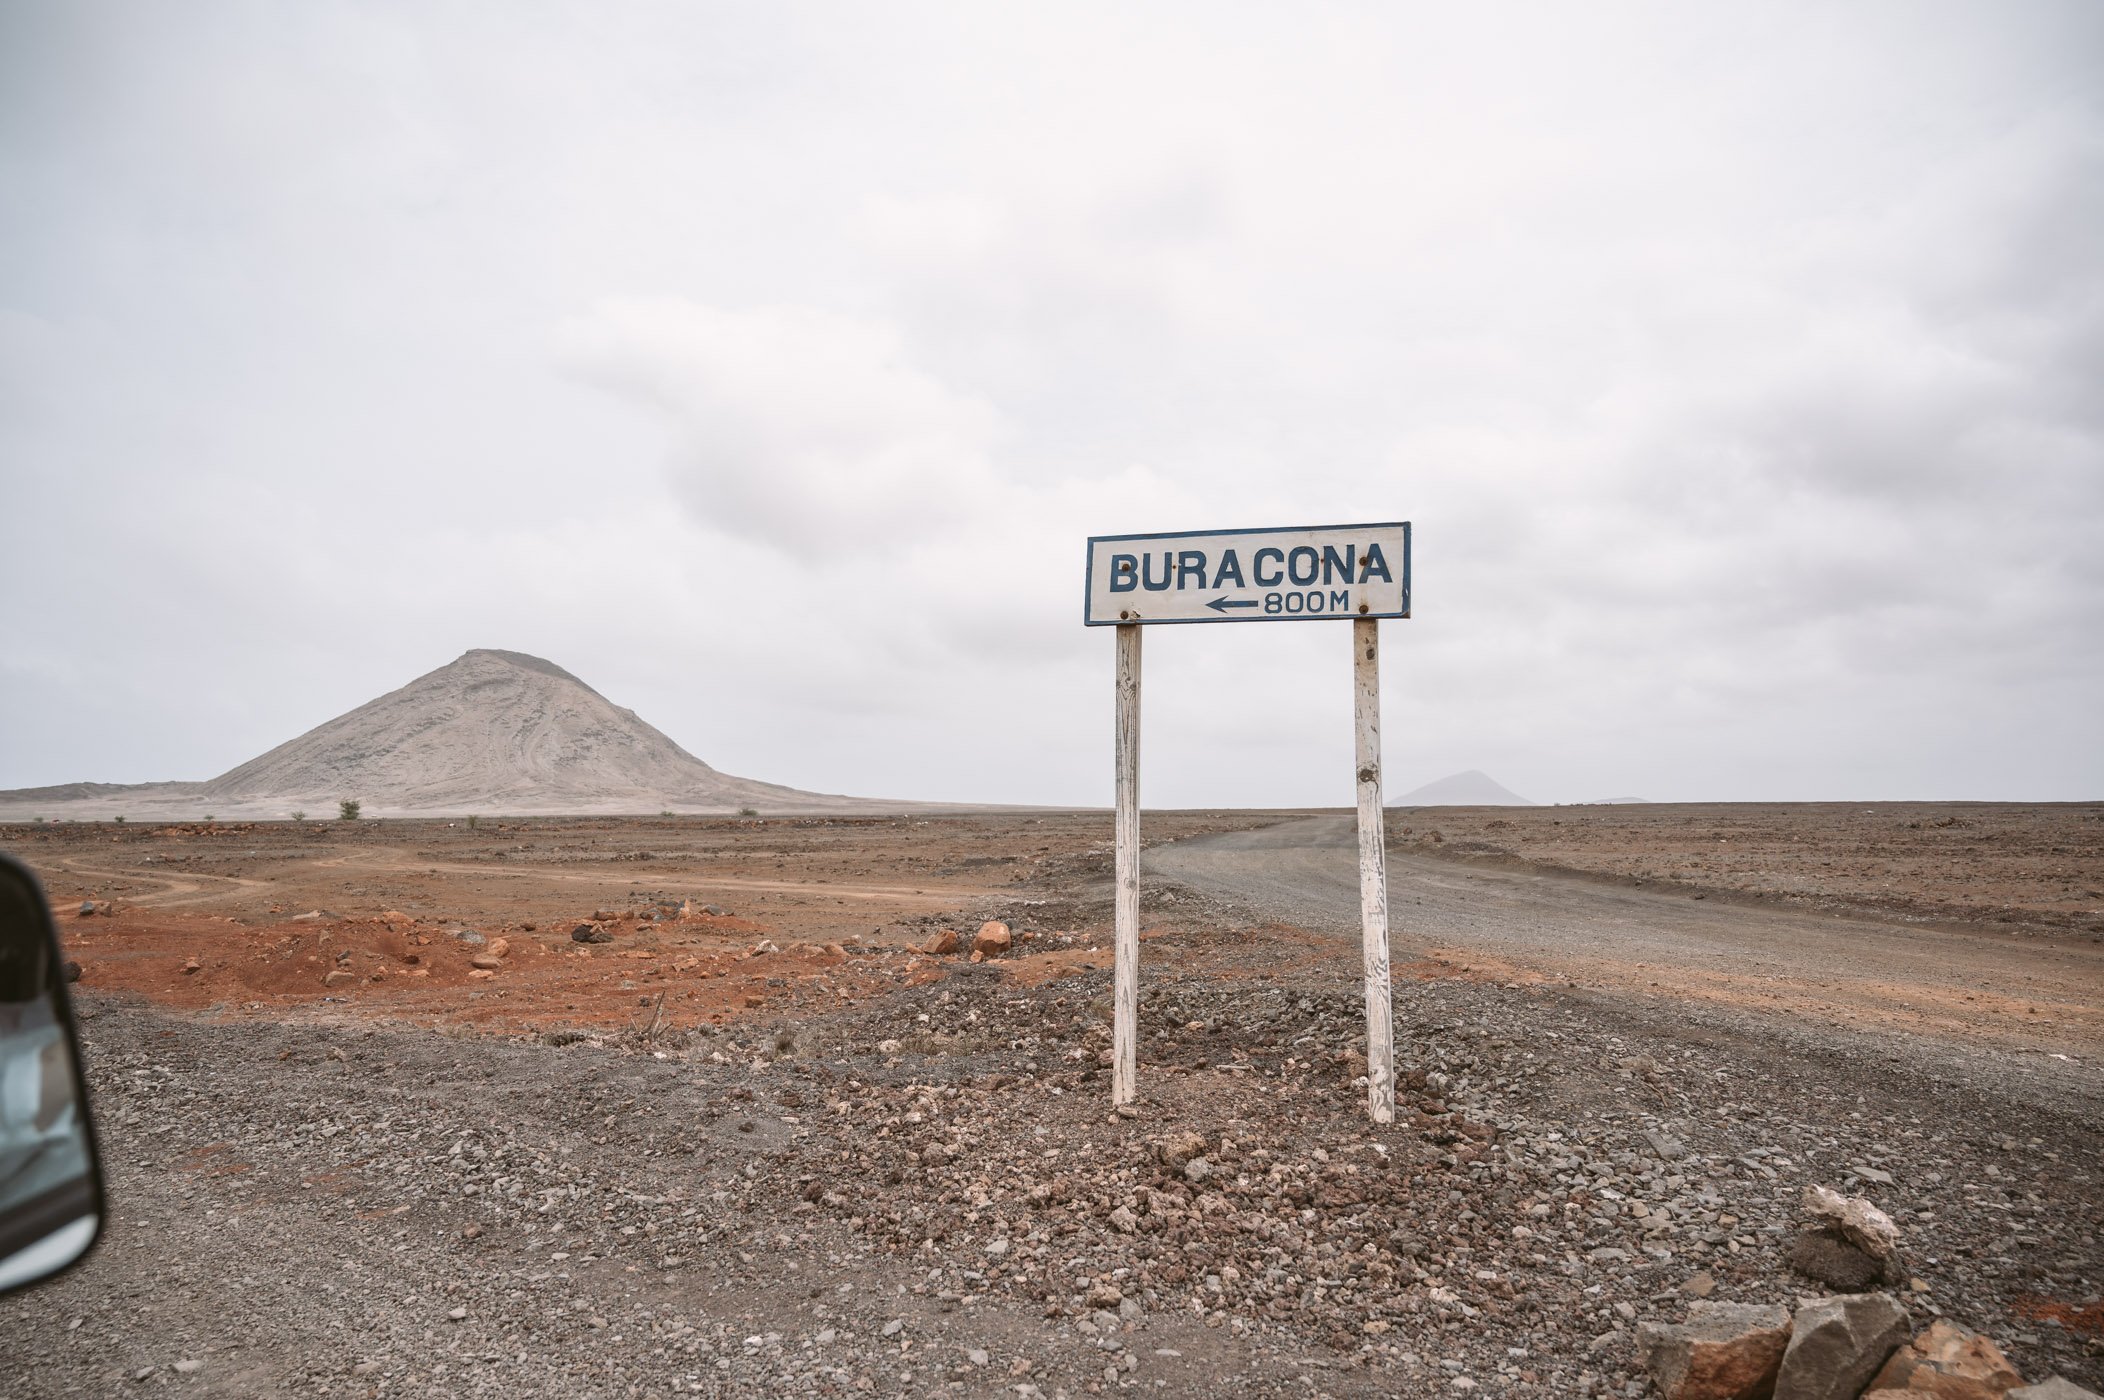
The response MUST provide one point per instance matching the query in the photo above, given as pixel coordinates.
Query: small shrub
(473, 822)
(38, 820)
(666, 813)
(118, 819)
(347, 810)
(299, 816)
(209, 817)
(748, 811)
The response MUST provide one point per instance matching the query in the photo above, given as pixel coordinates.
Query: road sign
(1361, 572)
(1295, 574)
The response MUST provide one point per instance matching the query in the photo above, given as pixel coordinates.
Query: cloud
(815, 435)
(795, 426)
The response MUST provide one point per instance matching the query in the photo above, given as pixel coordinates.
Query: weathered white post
(1126, 977)
(1373, 869)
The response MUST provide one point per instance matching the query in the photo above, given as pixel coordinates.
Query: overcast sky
(1741, 367)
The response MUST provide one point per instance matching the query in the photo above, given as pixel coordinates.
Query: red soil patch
(2088, 1320)
(401, 968)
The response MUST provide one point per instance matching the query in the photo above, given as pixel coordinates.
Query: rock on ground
(1829, 1257)
(1837, 1344)
(1869, 1228)
(2052, 1388)
(1724, 1351)
(1951, 1361)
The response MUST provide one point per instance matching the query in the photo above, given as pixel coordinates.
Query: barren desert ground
(605, 1106)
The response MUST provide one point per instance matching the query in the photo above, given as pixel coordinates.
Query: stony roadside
(923, 1194)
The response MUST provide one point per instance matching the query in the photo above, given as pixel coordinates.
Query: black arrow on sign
(1223, 604)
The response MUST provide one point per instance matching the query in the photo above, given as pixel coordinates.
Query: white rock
(1867, 1226)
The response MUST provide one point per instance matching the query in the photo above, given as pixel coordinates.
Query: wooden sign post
(1359, 572)
(1125, 979)
(1373, 869)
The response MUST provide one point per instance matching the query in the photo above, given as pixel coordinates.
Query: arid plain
(655, 1106)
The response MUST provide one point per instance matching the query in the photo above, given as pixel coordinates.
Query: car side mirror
(51, 1206)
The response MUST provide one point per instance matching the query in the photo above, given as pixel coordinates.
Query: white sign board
(1274, 575)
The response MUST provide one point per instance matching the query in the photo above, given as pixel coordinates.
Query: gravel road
(2008, 996)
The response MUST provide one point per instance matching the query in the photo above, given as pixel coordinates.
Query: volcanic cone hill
(495, 731)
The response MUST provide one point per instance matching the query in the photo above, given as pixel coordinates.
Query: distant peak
(1473, 788)
(524, 662)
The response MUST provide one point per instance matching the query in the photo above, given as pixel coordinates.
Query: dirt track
(1980, 986)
